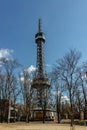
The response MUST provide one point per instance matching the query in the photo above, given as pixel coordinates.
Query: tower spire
(40, 25)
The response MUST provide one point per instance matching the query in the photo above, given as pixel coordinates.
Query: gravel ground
(39, 126)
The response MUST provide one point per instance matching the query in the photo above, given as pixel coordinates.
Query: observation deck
(40, 83)
(40, 37)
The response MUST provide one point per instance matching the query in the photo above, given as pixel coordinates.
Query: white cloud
(48, 65)
(64, 98)
(5, 53)
(22, 79)
(31, 69)
(84, 77)
(57, 93)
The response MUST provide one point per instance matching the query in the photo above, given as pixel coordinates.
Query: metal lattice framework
(40, 81)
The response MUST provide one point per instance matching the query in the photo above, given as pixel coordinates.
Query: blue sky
(63, 21)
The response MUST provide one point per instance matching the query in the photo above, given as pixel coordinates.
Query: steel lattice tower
(40, 81)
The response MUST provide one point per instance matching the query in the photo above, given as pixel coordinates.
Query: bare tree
(26, 92)
(79, 103)
(83, 85)
(8, 66)
(46, 102)
(2, 85)
(58, 91)
(67, 69)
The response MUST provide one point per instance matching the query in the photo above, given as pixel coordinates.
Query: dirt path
(37, 126)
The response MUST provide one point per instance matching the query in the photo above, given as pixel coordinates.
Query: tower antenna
(40, 25)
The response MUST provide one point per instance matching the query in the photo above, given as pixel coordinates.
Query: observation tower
(40, 81)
